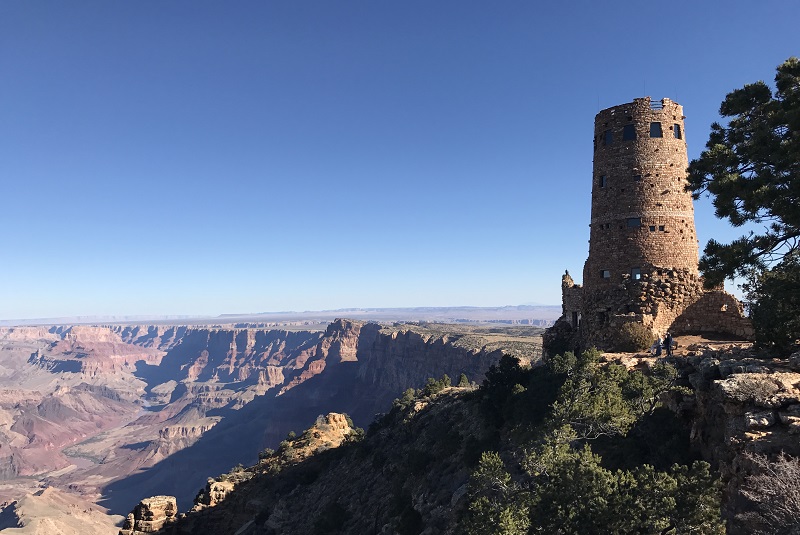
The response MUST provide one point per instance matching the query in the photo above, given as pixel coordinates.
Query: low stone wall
(716, 311)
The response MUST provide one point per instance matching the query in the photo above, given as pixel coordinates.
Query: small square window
(652, 228)
(655, 130)
(634, 222)
(608, 137)
(602, 181)
(661, 228)
(676, 129)
(636, 273)
(637, 178)
(605, 274)
(628, 132)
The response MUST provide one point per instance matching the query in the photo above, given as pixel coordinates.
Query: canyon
(416, 469)
(93, 418)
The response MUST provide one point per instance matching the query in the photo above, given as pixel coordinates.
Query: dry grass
(775, 490)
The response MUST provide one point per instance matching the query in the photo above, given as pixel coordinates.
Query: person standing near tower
(668, 344)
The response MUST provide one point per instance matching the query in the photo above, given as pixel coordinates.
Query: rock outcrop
(150, 515)
(742, 405)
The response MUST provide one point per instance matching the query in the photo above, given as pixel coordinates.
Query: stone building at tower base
(641, 277)
(661, 300)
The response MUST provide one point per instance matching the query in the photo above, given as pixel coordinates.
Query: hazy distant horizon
(503, 312)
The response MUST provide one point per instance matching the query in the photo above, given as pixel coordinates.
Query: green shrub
(633, 337)
(434, 386)
(406, 400)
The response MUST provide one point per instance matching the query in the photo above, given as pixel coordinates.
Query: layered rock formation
(116, 413)
(150, 515)
(405, 476)
(355, 368)
(50, 511)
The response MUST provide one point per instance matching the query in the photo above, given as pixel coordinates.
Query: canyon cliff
(418, 467)
(116, 413)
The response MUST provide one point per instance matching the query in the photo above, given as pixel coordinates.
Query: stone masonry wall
(655, 300)
(641, 212)
(571, 300)
(716, 311)
(662, 300)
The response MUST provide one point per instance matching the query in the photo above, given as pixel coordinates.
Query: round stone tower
(641, 277)
(642, 222)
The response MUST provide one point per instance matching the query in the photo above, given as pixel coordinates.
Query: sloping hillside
(511, 456)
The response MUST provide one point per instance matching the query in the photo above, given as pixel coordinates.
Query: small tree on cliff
(751, 168)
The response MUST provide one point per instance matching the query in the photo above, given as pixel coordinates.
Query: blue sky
(193, 157)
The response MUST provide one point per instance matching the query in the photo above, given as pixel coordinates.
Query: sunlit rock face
(151, 515)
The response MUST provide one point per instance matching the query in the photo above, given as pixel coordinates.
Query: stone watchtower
(643, 254)
(642, 215)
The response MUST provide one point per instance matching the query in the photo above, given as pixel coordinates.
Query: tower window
(636, 273)
(661, 228)
(655, 130)
(652, 228)
(628, 132)
(634, 222)
(676, 129)
(603, 181)
(608, 137)
(637, 178)
(605, 274)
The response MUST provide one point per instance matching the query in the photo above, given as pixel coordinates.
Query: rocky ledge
(744, 406)
(160, 512)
